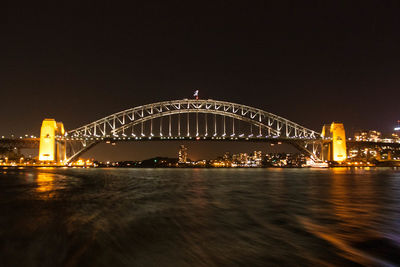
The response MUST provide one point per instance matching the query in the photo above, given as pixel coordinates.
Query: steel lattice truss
(121, 125)
(118, 123)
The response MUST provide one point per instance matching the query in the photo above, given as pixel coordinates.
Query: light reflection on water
(45, 182)
(49, 184)
(200, 217)
(355, 205)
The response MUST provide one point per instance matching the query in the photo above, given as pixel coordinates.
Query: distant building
(375, 136)
(257, 158)
(371, 136)
(227, 156)
(395, 137)
(182, 154)
(245, 160)
(361, 136)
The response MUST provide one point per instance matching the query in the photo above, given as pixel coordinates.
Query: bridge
(187, 119)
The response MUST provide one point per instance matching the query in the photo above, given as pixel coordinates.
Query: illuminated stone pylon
(50, 149)
(61, 150)
(335, 149)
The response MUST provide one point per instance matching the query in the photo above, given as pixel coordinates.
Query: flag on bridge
(196, 94)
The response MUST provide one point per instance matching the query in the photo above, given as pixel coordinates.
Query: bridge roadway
(192, 138)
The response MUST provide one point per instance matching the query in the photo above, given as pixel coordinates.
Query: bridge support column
(61, 151)
(50, 149)
(334, 149)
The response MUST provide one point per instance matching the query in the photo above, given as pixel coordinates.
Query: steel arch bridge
(190, 119)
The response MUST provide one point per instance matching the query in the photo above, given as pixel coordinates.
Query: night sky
(312, 62)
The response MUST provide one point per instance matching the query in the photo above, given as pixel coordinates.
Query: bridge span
(187, 119)
(192, 119)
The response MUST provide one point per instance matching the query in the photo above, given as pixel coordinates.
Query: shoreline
(12, 167)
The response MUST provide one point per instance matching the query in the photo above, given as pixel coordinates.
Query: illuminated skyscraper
(182, 155)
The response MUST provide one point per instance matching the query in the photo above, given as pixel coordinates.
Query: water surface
(200, 217)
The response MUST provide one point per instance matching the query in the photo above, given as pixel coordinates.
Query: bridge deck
(190, 138)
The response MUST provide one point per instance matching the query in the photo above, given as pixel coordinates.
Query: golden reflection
(45, 182)
(353, 203)
(344, 248)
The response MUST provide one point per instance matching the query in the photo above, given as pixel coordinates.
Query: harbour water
(200, 217)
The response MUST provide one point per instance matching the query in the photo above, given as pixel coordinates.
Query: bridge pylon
(50, 148)
(334, 146)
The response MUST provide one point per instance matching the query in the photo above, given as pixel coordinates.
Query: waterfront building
(368, 136)
(257, 158)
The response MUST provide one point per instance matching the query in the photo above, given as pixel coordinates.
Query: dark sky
(312, 62)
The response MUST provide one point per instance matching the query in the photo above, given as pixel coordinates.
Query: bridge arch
(270, 126)
(117, 122)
